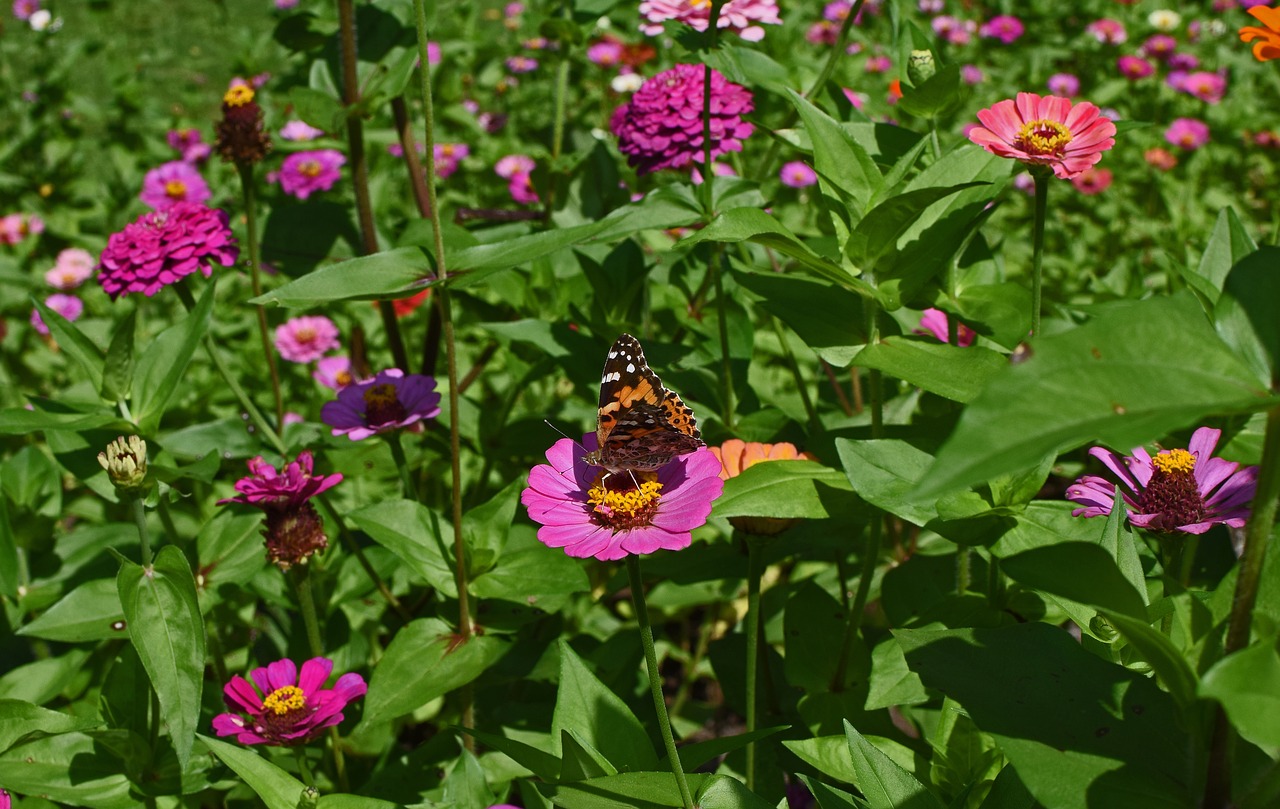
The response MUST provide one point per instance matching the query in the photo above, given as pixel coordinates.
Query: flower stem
(301, 576)
(410, 491)
(722, 322)
(655, 678)
(140, 520)
(245, 170)
(304, 769)
(853, 624)
(1037, 247)
(752, 628)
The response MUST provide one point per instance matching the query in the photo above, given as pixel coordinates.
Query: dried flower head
(241, 137)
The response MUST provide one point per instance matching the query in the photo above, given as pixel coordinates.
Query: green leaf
(163, 618)
(892, 681)
(20, 421)
(782, 489)
(882, 781)
(413, 533)
(935, 95)
(1156, 648)
(527, 573)
(877, 234)
(164, 363)
(426, 660)
(277, 788)
(1001, 312)
(538, 761)
(828, 755)
(579, 760)
(693, 756)
(1080, 571)
(486, 526)
(830, 797)
(91, 612)
(626, 790)
(1119, 541)
(21, 721)
(813, 618)
(72, 768)
(1115, 741)
(724, 792)
(587, 706)
(398, 273)
(117, 369)
(828, 318)
(73, 343)
(839, 158)
(1246, 312)
(1229, 243)
(466, 784)
(1124, 378)
(1247, 683)
(8, 552)
(886, 472)
(317, 108)
(950, 371)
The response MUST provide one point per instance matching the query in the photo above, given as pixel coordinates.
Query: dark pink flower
(1003, 27)
(189, 144)
(23, 9)
(1159, 47)
(591, 512)
(513, 164)
(1092, 181)
(17, 226)
(1134, 67)
(163, 247)
(1188, 133)
(661, 126)
(606, 53)
(333, 372)
(1047, 131)
(304, 173)
(521, 189)
(5, 800)
(390, 400)
(1179, 490)
(306, 338)
(287, 708)
(744, 17)
(449, 156)
(1204, 85)
(171, 183)
(935, 322)
(292, 529)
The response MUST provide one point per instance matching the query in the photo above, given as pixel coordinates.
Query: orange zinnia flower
(1268, 46)
(735, 456)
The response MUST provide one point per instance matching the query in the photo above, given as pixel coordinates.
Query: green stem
(805, 399)
(410, 491)
(754, 573)
(655, 678)
(166, 520)
(964, 568)
(853, 625)
(245, 170)
(695, 660)
(140, 520)
(722, 323)
(1037, 255)
(301, 576)
(304, 769)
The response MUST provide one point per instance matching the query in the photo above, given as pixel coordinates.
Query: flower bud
(126, 463)
(921, 67)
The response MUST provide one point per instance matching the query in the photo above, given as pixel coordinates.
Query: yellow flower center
(1175, 461)
(238, 95)
(175, 189)
(309, 168)
(447, 150)
(1043, 136)
(283, 700)
(622, 508)
(343, 378)
(305, 335)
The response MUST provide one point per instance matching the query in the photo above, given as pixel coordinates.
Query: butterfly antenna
(566, 435)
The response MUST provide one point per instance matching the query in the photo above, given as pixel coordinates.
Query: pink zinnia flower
(449, 156)
(304, 173)
(306, 338)
(1003, 27)
(5, 800)
(1159, 158)
(877, 64)
(822, 32)
(930, 6)
(797, 175)
(390, 400)
(1107, 31)
(1183, 61)
(1206, 86)
(1134, 67)
(522, 64)
(288, 708)
(1063, 84)
(163, 247)
(661, 126)
(521, 189)
(1187, 133)
(300, 131)
(513, 164)
(171, 183)
(971, 74)
(69, 306)
(1159, 46)
(72, 268)
(936, 322)
(606, 52)
(292, 529)
(1047, 131)
(1092, 181)
(189, 144)
(333, 372)
(1181, 490)
(741, 16)
(23, 9)
(285, 5)
(17, 226)
(590, 512)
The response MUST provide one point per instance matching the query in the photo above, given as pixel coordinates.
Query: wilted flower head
(69, 306)
(1047, 131)
(287, 708)
(1107, 31)
(389, 401)
(241, 137)
(1267, 44)
(72, 268)
(1180, 490)
(661, 126)
(741, 16)
(591, 512)
(797, 175)
(1187, 133)
(936, 322)
(292, 528)
(126, 463)
(189, 144)
(163, 247)
(304, 173)
(300, 131)
(306, 338)
(171, 183)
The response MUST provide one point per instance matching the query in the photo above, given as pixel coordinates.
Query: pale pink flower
(741, 16)
(300, 131)
(306, 338)
(513, 164)
(797, 175)
(171, 183)
(72, 268)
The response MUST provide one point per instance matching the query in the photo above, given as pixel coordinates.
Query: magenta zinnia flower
(163, 247)
(661, 126)
(189, 143)
(797, 175)
(304, 173)
(513, 164)
(1107, 31)
(390, 400)
(1206, 86)
(292, 528)
(171, 183)
(1178, 490)
(306, 338)
(69, 306)
(742, 16)
(590, 512)
(1134, 67)
(1003, 27)
(1046, 131)
(1064, 84)
(287, 708)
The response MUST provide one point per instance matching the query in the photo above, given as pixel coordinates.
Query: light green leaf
(163, 364)
(1247, 683)
(781, 489)
(956, 373)
(277, 788)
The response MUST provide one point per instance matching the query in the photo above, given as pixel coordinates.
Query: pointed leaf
(73, 343)
(828, 318)
(1246, 311)
(837, 156)
(1247, 683)
(604, 721)
(72, 768)
(90, 612)
(1229, 243)
(878, 232)
(397, 273)
(277, 788)
(882, 781)
(164, 363)
(1080, 571)
(950, 371)
(117, 369)
(781, 489)
(20, 721)
(413, 533)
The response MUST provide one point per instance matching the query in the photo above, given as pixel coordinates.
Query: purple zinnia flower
(171, 183)
(306, 338)
(390, 400)
(69, 306)
(1003, 27)
(163, 247)
(1063, 84)
(797, 175)
(1179, 490)
(591, 512)
(288, 708)
(304, 173)
(661, 126)
(189, 144)
(935, 322)
(292, 528)
(1187, 133)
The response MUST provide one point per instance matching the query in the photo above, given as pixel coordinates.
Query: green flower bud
(921, 67)
(126, 463)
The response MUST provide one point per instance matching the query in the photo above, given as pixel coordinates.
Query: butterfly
(640, 425)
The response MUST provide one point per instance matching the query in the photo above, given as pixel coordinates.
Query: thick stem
(409, 490)
(1037, 246)
(140, 520)
(417, 179)
(752, 628)
(245, 170)
(655, 678)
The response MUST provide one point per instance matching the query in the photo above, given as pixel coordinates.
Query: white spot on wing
(631, 367)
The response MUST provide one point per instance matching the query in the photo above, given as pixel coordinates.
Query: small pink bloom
(1159, 46)
(300, 131)
(513, 164)
(73, 268)
(287, 708)
(1064, 84)
(1187, 133)
(877, 64)
(744, 17)
(935, 322)
(1206, 86)
(521, 189)
(971, 74)
(606, 52)
(1092, 181)
(189, 144)
(1003, 27)
(1107, 31)
(1161, 159)
(17, 226)
(69, 306)
(285, 5)
(306, 338)
(304, 173)
(1134, 67)
(333, 372)
(449, 156)
(797, 175)
(171, 183)
(522, 64)
(23, 9)
(1046, 131)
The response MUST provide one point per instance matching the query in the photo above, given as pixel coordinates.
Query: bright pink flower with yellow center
(288, 708)
(1180, 490)
(171, 183)
(306, 338)
(304, 173)
(1046, 131)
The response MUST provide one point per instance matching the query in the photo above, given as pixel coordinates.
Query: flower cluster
(288, 707)
(163, 247)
